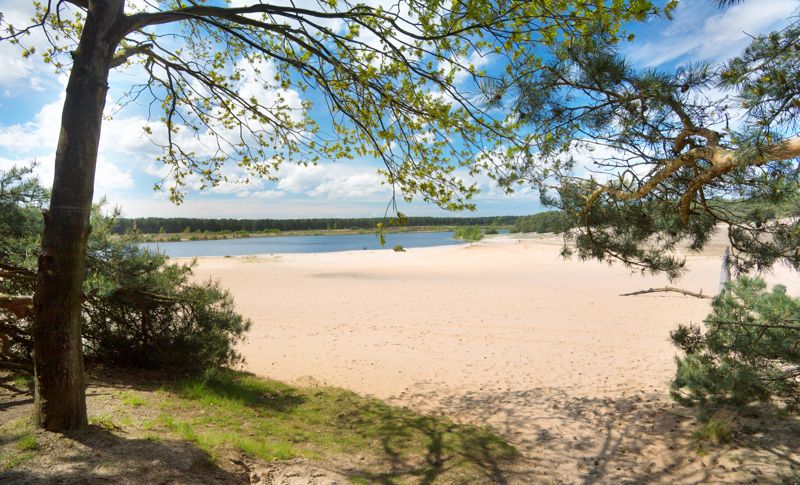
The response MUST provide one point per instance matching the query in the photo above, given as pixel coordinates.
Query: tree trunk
(60, 401)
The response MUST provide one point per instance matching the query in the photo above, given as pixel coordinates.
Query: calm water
(300, 244)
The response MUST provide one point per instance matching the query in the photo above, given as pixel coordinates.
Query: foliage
(644, 160)
(398, 81)
(748, 351)
(468, 233)
(138, 310)
(398, 248)
(549, 221)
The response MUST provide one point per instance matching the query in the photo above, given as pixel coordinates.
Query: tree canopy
(401, 83)
(675, 155)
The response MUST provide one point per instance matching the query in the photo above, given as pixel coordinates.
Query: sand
(504, 333)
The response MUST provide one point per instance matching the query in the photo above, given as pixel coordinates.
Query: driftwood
(668, 289)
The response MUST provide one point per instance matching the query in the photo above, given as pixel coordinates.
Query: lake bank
(503, 333)
(227, 235)
(302, 244)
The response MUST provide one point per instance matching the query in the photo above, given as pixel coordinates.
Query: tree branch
(667, 289)
(123, 55)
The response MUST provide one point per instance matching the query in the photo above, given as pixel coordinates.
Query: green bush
(748, 351)
(138, 310)
(468, 233)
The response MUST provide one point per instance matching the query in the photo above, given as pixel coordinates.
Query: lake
(300, 244)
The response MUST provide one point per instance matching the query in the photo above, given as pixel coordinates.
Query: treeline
(550, 221)
(154, 225)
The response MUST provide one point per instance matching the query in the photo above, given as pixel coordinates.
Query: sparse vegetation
(718, 429)
(468, 233)
(226, 413)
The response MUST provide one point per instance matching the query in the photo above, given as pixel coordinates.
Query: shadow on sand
(639, 438)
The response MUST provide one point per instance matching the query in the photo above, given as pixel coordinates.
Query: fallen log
(667, 289)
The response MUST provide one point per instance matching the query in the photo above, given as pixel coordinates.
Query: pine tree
(749, 350)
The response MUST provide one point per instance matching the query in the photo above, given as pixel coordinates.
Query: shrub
(748, 351)
(138, 310)
(468, 233)
(398, 249)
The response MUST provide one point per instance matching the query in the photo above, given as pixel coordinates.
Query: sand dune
(504, 333)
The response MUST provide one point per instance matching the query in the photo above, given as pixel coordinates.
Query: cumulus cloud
(332, 181)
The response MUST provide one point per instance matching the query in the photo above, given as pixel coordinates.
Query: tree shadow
(451, 452)
(98, 456)
(637, 438)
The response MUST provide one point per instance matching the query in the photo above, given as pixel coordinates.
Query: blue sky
(31, 96)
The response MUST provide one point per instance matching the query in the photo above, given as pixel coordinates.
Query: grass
(104, 421)
(227, 413)
(22, 381)
(274, 421)
(24, 444)
(28, 443)
(717, 430)
(132, 399)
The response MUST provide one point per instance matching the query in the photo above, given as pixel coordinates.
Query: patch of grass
(104, 421)
(22, 381)
(274, 421)
(21, 443)
(27, 442)
(718, 429)
(132, 399)
(9, 462)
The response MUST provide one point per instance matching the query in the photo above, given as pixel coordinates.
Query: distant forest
(154, 225)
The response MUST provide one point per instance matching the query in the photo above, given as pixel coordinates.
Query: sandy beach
(503, 333)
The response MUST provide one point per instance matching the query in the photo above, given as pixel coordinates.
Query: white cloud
(332, 181)
(700, 31)
(31, 72)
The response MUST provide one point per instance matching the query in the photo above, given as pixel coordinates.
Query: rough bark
(60, 401)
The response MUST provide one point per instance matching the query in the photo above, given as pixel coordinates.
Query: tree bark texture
(60, 401)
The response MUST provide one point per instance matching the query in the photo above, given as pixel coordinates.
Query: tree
(748, 352)
(389, 78)
(676, 155)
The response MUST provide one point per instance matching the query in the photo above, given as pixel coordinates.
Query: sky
(31, 96)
